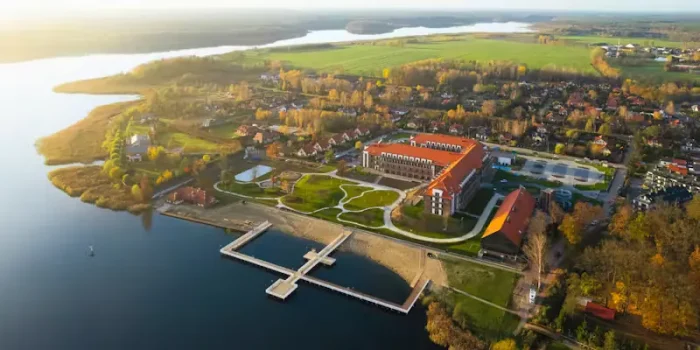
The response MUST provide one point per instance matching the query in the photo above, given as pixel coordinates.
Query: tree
(206, 158)
(620, 221)
(329, 156)
(358, 145)
(333, 95)
(489, 108)
(155, 153)
(571, 228)
(610, 343)
(559, 148)
(556, 213)
(693, 208)
(116, 173)
(505, 344)
(585, 212)
(146, 189)
(273, 150)
(590, 125)
(536, 246)
(605, 129)
(670, 108)
(136, 193)
(342, 167)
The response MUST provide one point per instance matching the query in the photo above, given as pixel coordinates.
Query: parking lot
(561, 170)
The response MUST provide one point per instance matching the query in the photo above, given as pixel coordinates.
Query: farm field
(591, 39)
(369, 60)
(654, 72)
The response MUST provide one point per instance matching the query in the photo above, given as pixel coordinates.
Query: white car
(533, 295)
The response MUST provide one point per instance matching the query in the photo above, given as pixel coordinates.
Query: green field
(372, 199)
(189, 143)
(370, 60)
(354, 191)
(252, 190)
(488, 283)
(313, 192)
(371, 217)
(654, 72)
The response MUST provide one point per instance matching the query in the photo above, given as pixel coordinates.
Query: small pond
(254, 172)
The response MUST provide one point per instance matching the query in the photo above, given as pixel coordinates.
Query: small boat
(92, 251)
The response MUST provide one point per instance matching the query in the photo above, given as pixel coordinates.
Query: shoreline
(407, 262)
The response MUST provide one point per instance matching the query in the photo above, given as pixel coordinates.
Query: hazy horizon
(62, 8)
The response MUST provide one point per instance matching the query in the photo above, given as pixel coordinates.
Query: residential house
(504, 235)
(690, 146)
(675, 195)
(134, 157)
(138, 144)
(575, 100)
(505, 137)
(362, 131)
(483, 133)
(337, 140)
(322, 145)
(307, 151)
(600, 141)
(695, 108)
(192, 195)
(654, 142)
(247, 130)
(456, 129)
(265, 137)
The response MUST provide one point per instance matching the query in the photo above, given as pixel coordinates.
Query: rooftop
(513, 216)
(441, 158)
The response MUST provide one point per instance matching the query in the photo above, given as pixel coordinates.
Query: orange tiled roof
(441, 158)
(513, 216)
(451, 177)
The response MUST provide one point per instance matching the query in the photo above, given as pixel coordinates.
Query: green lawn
(488, 283)
(653, 71)
(370, 60)
(313, 192)
(354, 191)
(371, 217)
(189, 143)
(591, 39)
(373, 199)
(252, 190)
(329, 214)
(600, 186)
(226, 130)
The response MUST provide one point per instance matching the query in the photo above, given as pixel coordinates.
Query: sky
(9, 8)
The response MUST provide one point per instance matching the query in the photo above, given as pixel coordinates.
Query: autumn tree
(571, 228)
(341, 167)
(146, 189)
(693, 208)
(273, 150)
(559, 148)
(136, 193)
(556, 213)
(329, 156)
(505, 344)
(621, 219)
(536, 246)
(489, 108)
(358, 145)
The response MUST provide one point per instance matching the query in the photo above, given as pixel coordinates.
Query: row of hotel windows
(442, 146)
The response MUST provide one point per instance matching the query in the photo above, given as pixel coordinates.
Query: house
(147, 118)
(322, 145)
(412, 125)
(348, 112)
(505, 159)
(575, 100)
(350, 135)
(456, 129)
(483, 134)
(671, 195)
(690, 146)
(613, 103)
(307, 151)
(362, 131)
(600, 311)
(337, 140)
(265, 137)
(134, 157)
(138, 144)
(654, 142)
(505, 137)
(600, 141)
(192, 195)
(504, 235)
(247, 130)
(695, 108)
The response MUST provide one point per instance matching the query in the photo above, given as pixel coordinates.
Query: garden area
(314, 192)
(251, 190)
(413, 219)
(354, 191)
(372, 199)
(371, 217)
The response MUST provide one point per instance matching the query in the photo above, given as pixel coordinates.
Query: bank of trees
(650, 268)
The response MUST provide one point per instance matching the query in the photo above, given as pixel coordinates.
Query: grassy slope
(487, 283)
(313, 192)
(82, 141)
(373, 199)
(371, 217)
(370, 60)
(354, 191)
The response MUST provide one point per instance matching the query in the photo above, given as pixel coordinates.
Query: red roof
(600, 311)
(192, 195)
(513, 216)
(451, 177)
(441, 158)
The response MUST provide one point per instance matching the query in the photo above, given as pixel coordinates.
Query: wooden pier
(283, 288)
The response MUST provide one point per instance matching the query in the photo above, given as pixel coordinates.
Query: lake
(157, 282)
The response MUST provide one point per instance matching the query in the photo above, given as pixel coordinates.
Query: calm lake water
(157, 282)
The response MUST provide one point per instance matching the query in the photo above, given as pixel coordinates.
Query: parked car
(533, 294)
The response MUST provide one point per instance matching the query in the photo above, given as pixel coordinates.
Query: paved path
(388, 224)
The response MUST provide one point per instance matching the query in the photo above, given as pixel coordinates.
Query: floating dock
(283, 288)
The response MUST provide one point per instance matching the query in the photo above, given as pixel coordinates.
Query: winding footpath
(388, 224)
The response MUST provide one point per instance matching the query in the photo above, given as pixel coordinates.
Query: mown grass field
(592, 39)
(369, 60)
(487, 283)
(371, 217)
(654, 72)
(313, 192)
(372, 199)
(354, 191)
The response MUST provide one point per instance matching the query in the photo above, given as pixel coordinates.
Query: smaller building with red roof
(504, 235)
